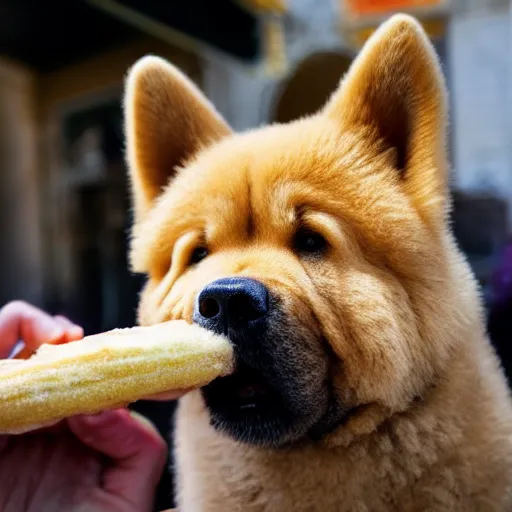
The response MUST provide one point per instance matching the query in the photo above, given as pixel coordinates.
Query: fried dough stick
(108, 370)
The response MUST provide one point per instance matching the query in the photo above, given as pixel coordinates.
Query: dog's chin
(246, 407)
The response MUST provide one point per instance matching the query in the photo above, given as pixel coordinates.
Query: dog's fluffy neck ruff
(452, 385)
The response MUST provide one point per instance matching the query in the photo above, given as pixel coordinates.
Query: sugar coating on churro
(108, 370)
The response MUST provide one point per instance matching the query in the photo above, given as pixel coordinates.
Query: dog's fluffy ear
(395, 90)
(167, 120)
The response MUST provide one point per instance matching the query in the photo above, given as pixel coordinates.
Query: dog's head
(319, 247)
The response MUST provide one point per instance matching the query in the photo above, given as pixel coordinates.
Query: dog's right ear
(167, 120)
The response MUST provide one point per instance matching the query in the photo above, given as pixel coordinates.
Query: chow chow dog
(322, 248)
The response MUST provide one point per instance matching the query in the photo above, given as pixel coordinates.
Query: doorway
(310, 86)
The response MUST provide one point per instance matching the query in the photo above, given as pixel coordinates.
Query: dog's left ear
(395, 91)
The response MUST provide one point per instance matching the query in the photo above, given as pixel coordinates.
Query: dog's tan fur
(432, 421)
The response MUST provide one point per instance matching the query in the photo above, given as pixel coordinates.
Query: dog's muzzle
(277, 391)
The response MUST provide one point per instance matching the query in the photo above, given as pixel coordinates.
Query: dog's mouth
(249, 388)
(244, 390)
(273, 397)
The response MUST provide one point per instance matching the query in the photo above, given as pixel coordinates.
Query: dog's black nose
(233, 303)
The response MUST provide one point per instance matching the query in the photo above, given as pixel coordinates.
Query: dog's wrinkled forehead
(248, 185)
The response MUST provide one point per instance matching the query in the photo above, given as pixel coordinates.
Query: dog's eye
(198, 254)
(308, 241)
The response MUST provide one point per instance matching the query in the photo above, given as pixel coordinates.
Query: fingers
(21, 321)
(137, 451)
(73, 332)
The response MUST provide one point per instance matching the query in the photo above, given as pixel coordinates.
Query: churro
(108, 370)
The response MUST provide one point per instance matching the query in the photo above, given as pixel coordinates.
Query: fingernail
(75, 332)
(56, 333)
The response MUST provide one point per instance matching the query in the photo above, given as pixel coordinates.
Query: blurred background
(64, 204)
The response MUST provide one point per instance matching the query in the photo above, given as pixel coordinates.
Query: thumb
(135, 448)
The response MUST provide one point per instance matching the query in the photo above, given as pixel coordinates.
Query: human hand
(106, 462)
